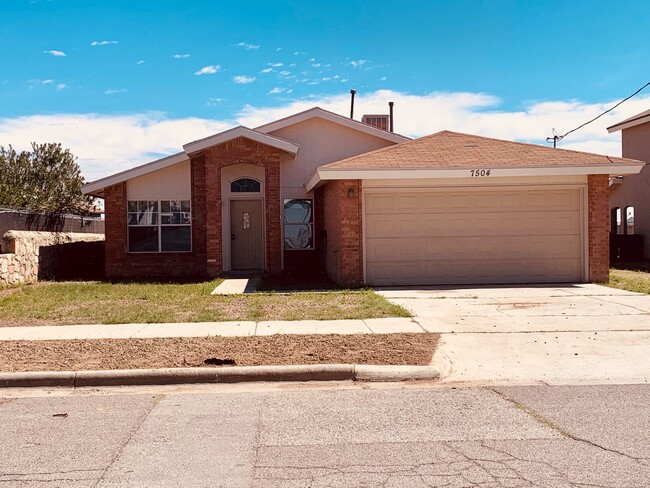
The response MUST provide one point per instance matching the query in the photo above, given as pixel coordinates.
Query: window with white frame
(159, 226)
(298, 224)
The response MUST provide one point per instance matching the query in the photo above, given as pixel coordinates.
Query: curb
(236, 374)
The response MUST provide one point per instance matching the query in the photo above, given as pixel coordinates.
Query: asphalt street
(327, 435)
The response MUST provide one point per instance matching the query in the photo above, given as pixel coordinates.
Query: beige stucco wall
(172, 183)
(321, 142)
(635, 189)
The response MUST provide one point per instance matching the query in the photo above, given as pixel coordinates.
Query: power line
(557, 138)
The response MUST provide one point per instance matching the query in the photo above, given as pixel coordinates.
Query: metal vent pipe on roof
(390, 118)
(352, 93)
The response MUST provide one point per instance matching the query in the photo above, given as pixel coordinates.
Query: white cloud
(102, 43)
(266, 70)
(47, 82)
(140, 62)
(278, 49)
(181, 56)
(474, 113)
(248, 46)
(284, 73)
(326, 78)
(315, 65)
(60, 86)
(275, 65)
(208, 70)
(106, 144)
(277, 90)
(54, 52)
(311, 60)
(383, 78)
(213, 102)
(243, 79)
(113, 91)
(357, 63)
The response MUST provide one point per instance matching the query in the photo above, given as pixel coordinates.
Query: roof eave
(241, 131)
(327, 174)
(627, 124)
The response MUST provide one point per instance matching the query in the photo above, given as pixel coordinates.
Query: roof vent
(378, 121)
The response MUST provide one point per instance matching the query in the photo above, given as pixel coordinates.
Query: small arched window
(245, 185)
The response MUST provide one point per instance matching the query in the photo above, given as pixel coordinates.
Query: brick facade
(598, 215)
(123, 265)
(206, 258)
(238, 151)
(342, 222)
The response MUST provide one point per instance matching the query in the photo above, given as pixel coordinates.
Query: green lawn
(108, 303)
(631, 277)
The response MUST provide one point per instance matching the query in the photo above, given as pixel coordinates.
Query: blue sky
(136, 79)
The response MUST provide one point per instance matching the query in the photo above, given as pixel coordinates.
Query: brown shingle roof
(455, 150)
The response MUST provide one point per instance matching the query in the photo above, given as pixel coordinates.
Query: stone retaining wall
(41, 255)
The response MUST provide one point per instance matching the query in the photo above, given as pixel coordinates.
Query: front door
(247, 234)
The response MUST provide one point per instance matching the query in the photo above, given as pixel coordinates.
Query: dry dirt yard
(98, 354)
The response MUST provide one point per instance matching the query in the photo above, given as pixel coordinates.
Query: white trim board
(402, 173)
(241, 131)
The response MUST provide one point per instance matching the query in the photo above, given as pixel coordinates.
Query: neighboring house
(629, 198)
(319, 191)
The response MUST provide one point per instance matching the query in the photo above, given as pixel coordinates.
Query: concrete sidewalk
(210, 329)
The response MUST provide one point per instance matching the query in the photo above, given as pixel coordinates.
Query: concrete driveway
(565, 334)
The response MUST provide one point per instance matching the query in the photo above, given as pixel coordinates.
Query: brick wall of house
(123, 265)
(342, 222)
(237, 151)
(598, 228)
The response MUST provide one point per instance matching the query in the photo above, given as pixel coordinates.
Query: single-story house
(320, 191)
(629, 197)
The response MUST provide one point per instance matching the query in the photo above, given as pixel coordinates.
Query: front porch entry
(246, 234)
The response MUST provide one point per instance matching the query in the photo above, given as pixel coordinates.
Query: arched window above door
(245, 185)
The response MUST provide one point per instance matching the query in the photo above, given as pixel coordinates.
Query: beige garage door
(473, 236)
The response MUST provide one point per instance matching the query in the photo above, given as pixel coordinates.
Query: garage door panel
(472, 248)
(479, 202)
(474, 236)
(468, 224)
(439, 272)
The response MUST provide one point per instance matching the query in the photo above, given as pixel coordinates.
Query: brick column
(598, 228)
(115, 228)
(273, 217)
(343, 223)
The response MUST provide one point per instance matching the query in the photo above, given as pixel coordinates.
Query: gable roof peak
(331, 117)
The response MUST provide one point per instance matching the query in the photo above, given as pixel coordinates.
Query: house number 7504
(480, 172)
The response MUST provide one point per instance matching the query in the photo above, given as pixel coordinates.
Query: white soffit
(241, 131)
(331, 117)
(478, 173)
